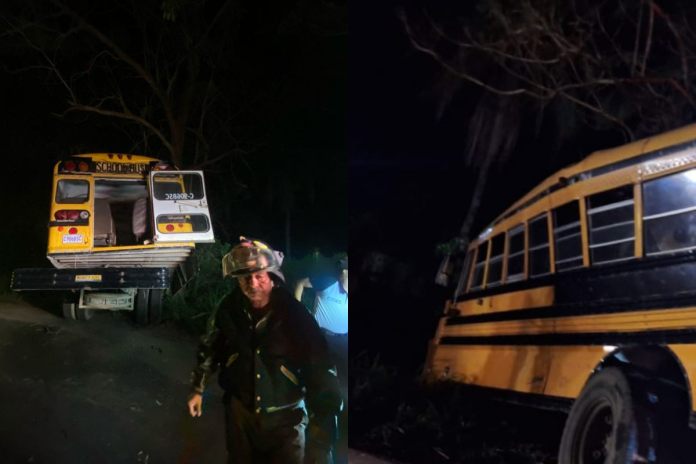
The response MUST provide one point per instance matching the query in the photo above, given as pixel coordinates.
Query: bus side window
(495, 264)
(515, 260)
(610, 218)
(567, 239)
(669, 213)
(480, 266)
(539, 259)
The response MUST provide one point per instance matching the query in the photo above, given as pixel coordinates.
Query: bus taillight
(71, 215)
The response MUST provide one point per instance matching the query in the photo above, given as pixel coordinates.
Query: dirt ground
(102, 391)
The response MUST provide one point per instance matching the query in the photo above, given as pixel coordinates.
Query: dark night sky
(396, 155)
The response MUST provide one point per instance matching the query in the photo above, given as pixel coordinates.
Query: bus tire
(69, 310)
(82, 314)
(142, 300)
(156, 300)
(607, 425)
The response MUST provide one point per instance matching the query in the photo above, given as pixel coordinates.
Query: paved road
(103, 391)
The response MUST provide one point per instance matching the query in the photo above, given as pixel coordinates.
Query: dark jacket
(272, 362)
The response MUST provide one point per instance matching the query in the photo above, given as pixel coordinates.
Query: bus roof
(117, 157)
(602, 159)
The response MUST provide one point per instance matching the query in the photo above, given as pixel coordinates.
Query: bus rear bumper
(89, 279)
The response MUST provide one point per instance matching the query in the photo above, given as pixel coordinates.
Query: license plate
(88, 278)
(75, 238)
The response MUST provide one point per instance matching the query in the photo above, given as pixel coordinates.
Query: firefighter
(281, 390)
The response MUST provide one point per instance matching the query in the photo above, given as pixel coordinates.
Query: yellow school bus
(582, 296)
(119, 225)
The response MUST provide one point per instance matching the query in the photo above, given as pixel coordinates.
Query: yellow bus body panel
(179, 227)
(57, 235)
(533, 298)
(559, 371)
(687, 356)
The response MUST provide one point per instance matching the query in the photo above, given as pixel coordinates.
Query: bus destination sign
(120, 168)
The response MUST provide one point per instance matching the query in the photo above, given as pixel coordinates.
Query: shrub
(191, 305)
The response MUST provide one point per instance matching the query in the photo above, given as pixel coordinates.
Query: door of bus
(180, 207)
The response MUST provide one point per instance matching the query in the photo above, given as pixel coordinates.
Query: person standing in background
(330, 309)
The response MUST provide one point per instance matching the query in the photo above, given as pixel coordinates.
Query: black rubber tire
(83, 314)
(69, 310)
(142, 300)
(156, 300)
(606, 425)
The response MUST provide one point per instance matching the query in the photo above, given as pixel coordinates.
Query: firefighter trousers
(264, 438)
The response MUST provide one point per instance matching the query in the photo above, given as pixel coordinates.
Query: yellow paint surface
(633, 321)
(532, 298)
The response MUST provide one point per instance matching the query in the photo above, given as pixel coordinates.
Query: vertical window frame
(548, 244)
(519, 228)
(490, 258)
(556, 230)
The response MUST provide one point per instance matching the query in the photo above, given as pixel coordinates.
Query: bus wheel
(605, 424)
(69, 310)
(142, 300)
(83, 314)
(155, 313)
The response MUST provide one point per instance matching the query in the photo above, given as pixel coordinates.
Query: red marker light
(120, 156)
(169, 228)
(72, 230)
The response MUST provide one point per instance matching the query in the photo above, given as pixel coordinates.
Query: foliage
(198, 298)
(449, 423)
(158, 80)
(621, 64)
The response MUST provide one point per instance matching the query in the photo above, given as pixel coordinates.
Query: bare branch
(122, 115)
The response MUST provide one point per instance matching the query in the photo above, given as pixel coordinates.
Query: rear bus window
(515, 260)
(539, 246)
(567, 239)
(669, 213)
(72, 191)
(610, 218)
(187, 186)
